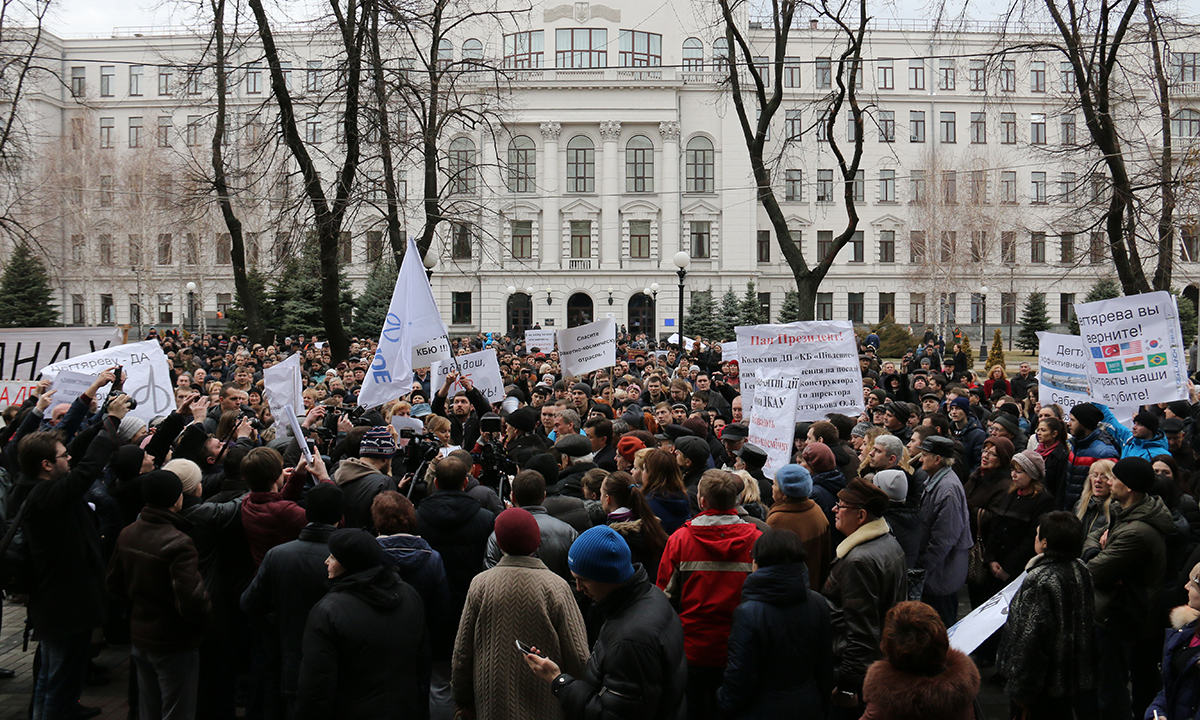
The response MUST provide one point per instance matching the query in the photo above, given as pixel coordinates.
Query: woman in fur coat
(1180, 696)
(921, 677)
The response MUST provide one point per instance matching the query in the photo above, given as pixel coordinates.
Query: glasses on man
(844, 506)
(64, 456)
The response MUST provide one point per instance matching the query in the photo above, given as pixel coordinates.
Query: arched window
(720, 53)
(639, 164)
(445, 54)
(522, 165)
(1186, 124)
(579, 310)
(520, 314)
(641, 314)
(581, 165)
(472, 50)
(701, 166)
(693, 54)
(463, 179)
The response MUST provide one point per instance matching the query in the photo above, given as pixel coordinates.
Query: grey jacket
(557, 537)
(945, 534)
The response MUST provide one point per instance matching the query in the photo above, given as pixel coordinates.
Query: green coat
(1128, 572)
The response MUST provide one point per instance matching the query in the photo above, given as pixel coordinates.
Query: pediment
(701, 207)
(580, 206)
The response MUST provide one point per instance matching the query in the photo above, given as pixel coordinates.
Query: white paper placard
(970, 632)
(148, 378)
(482, 368)
(1134, 349)
(821, 355)
(1062, 370)
(69, 385)
(588, 347)
(773, 418)
(543, 340)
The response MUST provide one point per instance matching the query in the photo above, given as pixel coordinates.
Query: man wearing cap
(1127, 563)
(702, 571)
(366, 648)
(733, 436)
(930, 403)
(668, 434)
(1089, 442)
(1145, 440)
(521, 439)
(945, 537)
(362, 478)
(155, 569)
(575, 462)
(692, 456)
(637, 668)
(519, 598)
(867, 578)
(581, 396)
(966, 429)
(895, 420)
(752, 459)
(795, 510)
(1177, 440)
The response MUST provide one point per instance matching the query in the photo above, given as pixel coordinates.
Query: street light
(610, 292)
(983, 344)
(430, 262)
(549, 298)
(191, 288)
(681, 260)
(652, 292)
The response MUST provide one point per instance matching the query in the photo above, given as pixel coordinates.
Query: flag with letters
(1111, 350)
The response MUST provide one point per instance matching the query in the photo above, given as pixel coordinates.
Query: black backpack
(17, 576)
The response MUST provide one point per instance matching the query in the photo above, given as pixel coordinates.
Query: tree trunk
(391, 196)
(1166, 217)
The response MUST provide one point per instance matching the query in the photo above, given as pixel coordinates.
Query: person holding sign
(466, 407)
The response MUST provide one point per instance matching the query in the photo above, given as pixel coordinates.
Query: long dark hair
(621, 487)
(661, 473)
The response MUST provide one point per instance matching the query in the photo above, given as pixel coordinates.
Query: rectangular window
(77, 133)
(916, 74)
(762, 65)
(792, 70)
(106, 249)
(78, 246)
(191, 249)
(522, 239)
(887, 126)
(640, 49)
(460, 247)
(1008, 128)
(976, 308)
(887, 76)
(374, 246)
(916, 183)
(581, 48)
(224, 249)
(192, 81)
(108, 76)
(824, 244)
(639, 239)
(1068, 129)
(823, 127)
(253, 246)
(949, 187)
(106, 309)
(1008, 308)
(946, 71)
(1099, 188)
(460, 313)
(1037, 247)
(1008, 187)
(312, 78)
(1068, 248)
(764, 305)
(978, 128)
(1097, 243)
(1008, 247)
(164, 81)
(164, 249)
(916, 126)
(857, 251)
(1037, 76)
(916, 246)
(1189, 236)
(285, 69)
(1008, 76)
(108, 128)
(916, 307)
(193, 130)
(1067, 72)
(224, 302)
(1067, 187)
(135, 250)
(887, 246)
(852, 132)
(164, 131)
(858, 188)
(793, 185)
(135, 132)
(947, 131)
(824, 77)
(949, 245)
(78, 82)
(1038, 181)
(524, 50)
(977, 76)
(1185, 66)
(77, 310)
(824, 186)
(1066, 303)
(581, 239)
(763, 245)
(1037, 129)
(824, 306)
(854, 307)
(978, 246)
(254, 78)
(792, 125)
(106, 192)
(978, 187)
(312, 129)
(700, 234)
(887, 186)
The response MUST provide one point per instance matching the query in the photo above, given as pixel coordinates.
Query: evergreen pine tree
(1187, 317)
(727, 316)
(372, 306)
(297, 295)
(270, 316)
(789, 311)
(25, 292)
(1034, 319)
(996, 353)
(894, 339)
(701, 316)
(751, 311)
(1104, 289)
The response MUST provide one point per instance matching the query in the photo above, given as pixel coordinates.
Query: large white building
(618, 146)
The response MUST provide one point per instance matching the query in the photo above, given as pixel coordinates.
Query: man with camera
(362, 478)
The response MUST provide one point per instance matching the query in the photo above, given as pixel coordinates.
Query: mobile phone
(528, 650)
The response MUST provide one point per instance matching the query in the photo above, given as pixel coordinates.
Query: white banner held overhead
(427, 353)
(148, 377)
(773, 417)
(23, 351)
(481, 368)
(282, 386)
(1062, 370)
(69, 385)
(687, 341)
(1134, 349)
(588, 347)
(542, 340)
(729, 351)
(821, 355)
(412, 319)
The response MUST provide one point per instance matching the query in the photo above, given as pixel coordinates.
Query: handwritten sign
(481, 368)
(70, 385)
(148, 378)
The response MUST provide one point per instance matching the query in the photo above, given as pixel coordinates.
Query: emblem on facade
(581, 12)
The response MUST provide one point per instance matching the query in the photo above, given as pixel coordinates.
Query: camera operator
(489, 452)
(521, 439)
(466, 408)
(366, 473)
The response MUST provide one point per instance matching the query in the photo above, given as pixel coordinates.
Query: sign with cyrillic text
(69, 385)
(1134, 349)
(1062, 370)
(588, 347)
(147, 376)
(427, 353)
(481, 368)
(540, 340)
(970, 632)
(773, 417)
(821, 355)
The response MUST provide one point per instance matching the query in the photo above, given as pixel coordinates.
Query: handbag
(977, 570)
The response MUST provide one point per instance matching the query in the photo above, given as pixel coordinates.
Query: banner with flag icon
(1136, 349)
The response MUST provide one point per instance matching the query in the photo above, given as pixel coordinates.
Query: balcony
(580, 264)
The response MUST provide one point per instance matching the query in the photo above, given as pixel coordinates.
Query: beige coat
(519, 599)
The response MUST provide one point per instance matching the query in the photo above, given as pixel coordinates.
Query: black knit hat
(355, 549)
(1135, 473)
(1088, 415)
(161, 488)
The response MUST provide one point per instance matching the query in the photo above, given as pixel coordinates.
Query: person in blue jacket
(1180, 695)
(1144, 441)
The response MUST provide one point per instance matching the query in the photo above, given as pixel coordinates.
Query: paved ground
(14, 693)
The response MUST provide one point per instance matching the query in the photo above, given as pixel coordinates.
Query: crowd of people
(605, 546)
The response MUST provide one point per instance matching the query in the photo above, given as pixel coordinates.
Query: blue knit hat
(377, 442)
(794, 481)
(601, 554)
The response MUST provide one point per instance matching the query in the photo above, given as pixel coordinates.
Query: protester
(795, 511)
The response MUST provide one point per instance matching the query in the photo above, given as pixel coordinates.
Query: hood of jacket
(379, 587)
(448, 509)
(352, 469)
(781, 585)
(1158, 440)
(1151, 511)
(407, 552)
(831, 480)
(723, 534)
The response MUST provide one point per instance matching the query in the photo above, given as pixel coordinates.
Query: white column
(668, 235)
(610, 189)
(551, 253)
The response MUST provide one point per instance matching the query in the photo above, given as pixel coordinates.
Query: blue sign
(669, 322)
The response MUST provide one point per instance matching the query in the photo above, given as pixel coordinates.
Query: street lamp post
(430, 262)
(652, 292)
(983, 343)
(191, 288)
(681, 260)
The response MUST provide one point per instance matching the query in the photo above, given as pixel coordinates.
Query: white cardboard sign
(543, 340)
(148, 378)
(588, 347)
(69, 385)
(482, 368)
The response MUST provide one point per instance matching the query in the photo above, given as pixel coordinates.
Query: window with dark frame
(1037, 247)
(763, 245)
(887, 246)
(824, 244)
(524, 50)
(854, 307)
(460, 247)
(916, 246)
(460, 313)
(1068, 249)
(1008, 247)
(522, 239)
(639, 239)
(824, 306)
(581, 48)
(887, 306)
(522, 165)
(700, 232)
(581, 239)
(1066, 304)
(640, 49)
(793, 185)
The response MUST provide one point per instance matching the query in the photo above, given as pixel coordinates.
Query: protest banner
(687, 341)
(426, 353)
(773, 416)
(729, 351)
(821, 355)
(588, 347)
(282, 386)
(481, 368)
(297, 431)
(24, 350)
(1062, 370)
(69, 385)
(541, 340)
(148, 377)
(1134, 349)
(970, 632)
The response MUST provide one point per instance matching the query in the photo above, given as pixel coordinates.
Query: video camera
(117, 389)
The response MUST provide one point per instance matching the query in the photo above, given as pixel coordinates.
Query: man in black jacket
(465, 410)
(362, 478)
(637, 668)
(457, 526)
(290, 581)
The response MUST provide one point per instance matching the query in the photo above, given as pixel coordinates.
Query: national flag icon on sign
(1135, 363)
(1134, 346)
(1158, 360)
(1155, 344)
(1097, 353)
(1111, 350)
(1114, 366)
(1101, 368)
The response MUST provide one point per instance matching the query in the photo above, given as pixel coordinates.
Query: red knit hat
(517, 532)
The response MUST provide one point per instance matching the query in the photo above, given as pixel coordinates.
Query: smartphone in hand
(529, 650)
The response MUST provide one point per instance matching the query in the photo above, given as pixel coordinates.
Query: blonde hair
(994, 368)
(1104, 467)
(639, 458)
(751, 492)
(436, 423)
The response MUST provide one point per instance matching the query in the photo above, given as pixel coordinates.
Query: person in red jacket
(270, 514)
(701, 572)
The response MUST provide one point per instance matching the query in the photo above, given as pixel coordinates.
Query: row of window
(166, 246)
(168, 78)
(976, 192)
(163, 311)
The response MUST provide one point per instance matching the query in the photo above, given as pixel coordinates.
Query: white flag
(282, 385)
(412, 319)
